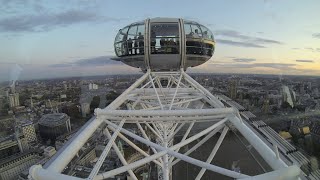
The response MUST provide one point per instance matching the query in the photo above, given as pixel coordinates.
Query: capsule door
(164, 46)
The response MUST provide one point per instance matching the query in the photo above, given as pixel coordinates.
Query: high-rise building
(28, 131)
(302, 90)
(65, 86)
(309, 86)
(266, 106)
(233, 89)
(93, 86)
(85, 109)
(288, 95)
(14, 100)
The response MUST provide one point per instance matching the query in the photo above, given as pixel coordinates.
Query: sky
(50, 39)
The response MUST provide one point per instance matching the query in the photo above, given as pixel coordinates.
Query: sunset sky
(43, 39)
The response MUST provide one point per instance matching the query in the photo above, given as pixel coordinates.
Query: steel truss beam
(164, 109)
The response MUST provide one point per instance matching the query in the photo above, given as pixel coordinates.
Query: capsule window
(164, 38)
(206, 33)
(193, 39)
(135, 40)
(207, 43)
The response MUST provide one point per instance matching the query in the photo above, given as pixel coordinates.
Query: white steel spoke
(175, 93)
(171, 136)
(119, 154)
(105, 152)
(134, 146)
(146, 137)
(171, 151)
(214, 151)
(155, 90)
(205, 139)
(154, 131)
(184, 138)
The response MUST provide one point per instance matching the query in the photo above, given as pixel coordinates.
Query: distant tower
(266, 106)
(288, 95)
(93, 86)
(233, 89)
(65, 85)
(315, 92)
(85, 109)
(14, 100)
(13, 96)
(309, 86)
(31, 101)
(302, 90)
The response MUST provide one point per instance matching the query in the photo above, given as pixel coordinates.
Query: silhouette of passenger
(205, 35)
(196, 34)
(141, 43)
(124, 45)
(171, 46)
(153, 41)
(162, 43)
(130, 46)
(135, 45)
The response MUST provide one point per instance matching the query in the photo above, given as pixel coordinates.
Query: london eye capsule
(164, 44)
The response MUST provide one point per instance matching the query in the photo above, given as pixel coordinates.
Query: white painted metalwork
(161, 111)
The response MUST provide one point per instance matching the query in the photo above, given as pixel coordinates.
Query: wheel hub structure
(161, 105)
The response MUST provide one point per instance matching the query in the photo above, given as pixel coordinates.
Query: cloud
(243, 60)
(305, 61)
(316, 35)
(95, 61)
(237, 35)
(239, 44)
(275, 65)
(279, 66)
(312, 49)
(60, 65)
(46, 21)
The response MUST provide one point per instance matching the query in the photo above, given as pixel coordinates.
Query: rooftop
(53, 119)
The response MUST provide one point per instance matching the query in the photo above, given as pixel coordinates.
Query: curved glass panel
(206, 33)
(193, 38)
(130, 41)
(199, 39)
(164, 38)
(207, 44)
(120, 42)
(122, 35)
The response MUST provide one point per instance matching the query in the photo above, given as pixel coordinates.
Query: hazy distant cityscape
(38, 116)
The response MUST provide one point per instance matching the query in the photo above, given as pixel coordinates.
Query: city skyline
(57, 39)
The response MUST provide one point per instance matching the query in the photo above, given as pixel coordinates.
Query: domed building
(53, 125)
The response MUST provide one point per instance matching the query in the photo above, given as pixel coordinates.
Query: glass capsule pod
(156, 44)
